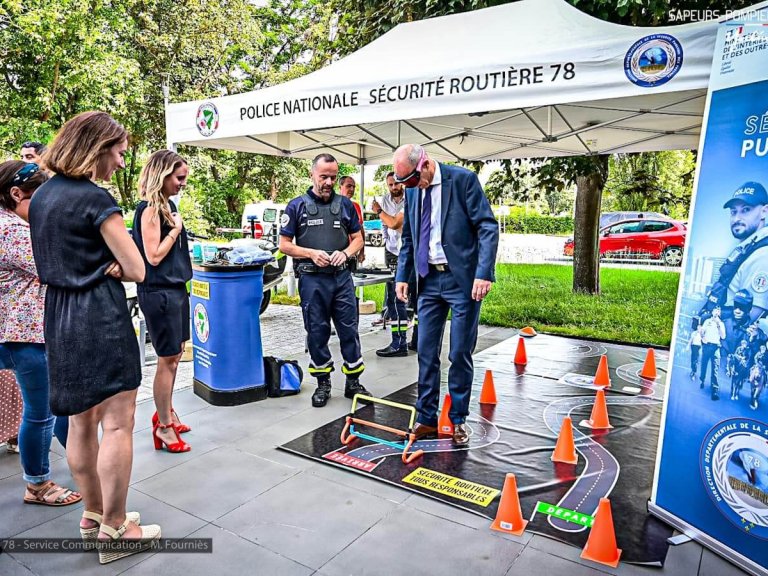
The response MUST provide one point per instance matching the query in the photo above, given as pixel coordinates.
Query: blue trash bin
(226, 334)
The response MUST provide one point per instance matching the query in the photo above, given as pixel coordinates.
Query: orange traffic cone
(598, 420)
(601, 376)
(565, 450)
(528, 332)
(601, 544)
(444, 424)
(488, 393)
(509, 518)
(521, 358)
(649, 367)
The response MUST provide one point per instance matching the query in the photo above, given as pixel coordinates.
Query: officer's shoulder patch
(760, 282)
(284, 219)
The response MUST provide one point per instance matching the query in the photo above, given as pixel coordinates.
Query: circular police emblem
(202, 326)
(653, 60)
(284, 219)
(207, 119)
(760, 283)
(734, 468)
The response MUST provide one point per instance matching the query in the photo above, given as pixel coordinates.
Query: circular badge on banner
(202, 326)
(653, 60)
(207, 119)
(760, 283)
(734, 468)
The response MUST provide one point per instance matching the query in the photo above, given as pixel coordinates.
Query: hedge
(536, 224)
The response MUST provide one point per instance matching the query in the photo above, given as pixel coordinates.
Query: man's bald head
(413, 166)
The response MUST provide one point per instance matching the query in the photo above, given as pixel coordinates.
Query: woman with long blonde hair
(159, 233)
(78, 240)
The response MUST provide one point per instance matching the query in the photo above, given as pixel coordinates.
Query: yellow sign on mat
(201, 289)
(451, 486)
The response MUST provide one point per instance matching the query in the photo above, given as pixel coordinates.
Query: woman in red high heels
(159, 233)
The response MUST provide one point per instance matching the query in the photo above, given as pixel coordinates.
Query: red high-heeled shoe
(182, 428)
(178, 446)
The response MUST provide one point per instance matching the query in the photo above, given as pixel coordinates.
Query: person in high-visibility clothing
(327, 234)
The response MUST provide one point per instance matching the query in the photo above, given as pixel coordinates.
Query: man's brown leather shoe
(422, 430)
(460, 435)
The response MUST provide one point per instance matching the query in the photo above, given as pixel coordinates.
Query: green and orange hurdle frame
(350, 433)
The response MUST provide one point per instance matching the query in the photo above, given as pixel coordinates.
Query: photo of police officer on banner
(731, 323)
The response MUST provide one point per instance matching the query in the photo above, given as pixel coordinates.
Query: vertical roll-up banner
(711, 478)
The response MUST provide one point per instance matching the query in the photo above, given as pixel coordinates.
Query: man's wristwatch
(379, 211)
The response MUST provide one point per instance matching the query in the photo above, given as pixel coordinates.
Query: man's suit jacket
(470, 233)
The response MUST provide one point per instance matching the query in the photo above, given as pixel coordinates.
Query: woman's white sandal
(117, 547)
(90, 535)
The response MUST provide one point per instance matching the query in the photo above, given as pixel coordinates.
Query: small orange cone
(565, 450)
(509, 518)
(601, 376)
(488, 393)
(601, 544)
(444, 424)
(649, 367)
(528, 332)
(599, 417)
(521, 358)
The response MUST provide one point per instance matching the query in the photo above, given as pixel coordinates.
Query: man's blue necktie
(425, 227)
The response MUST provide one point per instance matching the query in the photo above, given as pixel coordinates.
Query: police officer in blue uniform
(327, 235)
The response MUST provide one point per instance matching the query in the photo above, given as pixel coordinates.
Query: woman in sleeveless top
(77, 235)
(162, 241)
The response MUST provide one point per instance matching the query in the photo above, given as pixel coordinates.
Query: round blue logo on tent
(734, 468)
(653, 60)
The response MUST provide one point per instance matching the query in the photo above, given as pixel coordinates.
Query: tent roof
(526, 79)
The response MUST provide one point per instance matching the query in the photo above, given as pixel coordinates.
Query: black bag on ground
(283, 376)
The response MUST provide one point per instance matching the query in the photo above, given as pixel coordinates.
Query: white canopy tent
(527, 79)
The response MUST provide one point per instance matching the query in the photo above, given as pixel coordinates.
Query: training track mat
(518, 435)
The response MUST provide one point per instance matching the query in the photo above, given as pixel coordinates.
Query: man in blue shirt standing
(327, 237)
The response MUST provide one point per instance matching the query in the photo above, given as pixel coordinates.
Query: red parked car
(647, 238)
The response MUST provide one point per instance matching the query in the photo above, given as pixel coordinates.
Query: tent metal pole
(166, 101)
(549, 121)
(361, 154)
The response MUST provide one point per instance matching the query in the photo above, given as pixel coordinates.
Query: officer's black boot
(322, 393)
(353, 387)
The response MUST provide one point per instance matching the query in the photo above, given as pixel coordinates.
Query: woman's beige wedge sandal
(117, 547)
(91, 535)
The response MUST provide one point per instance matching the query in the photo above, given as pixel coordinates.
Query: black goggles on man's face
(24, 174)
(414, 177)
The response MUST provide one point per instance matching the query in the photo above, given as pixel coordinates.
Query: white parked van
(267, 216)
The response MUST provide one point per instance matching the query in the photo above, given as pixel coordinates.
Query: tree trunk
(586, 255)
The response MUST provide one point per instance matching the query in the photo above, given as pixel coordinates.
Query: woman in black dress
(78, 238)
(159, 233)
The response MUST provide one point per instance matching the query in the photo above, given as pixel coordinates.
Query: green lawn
(635, 306)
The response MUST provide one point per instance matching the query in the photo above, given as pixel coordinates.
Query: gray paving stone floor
(271, 512)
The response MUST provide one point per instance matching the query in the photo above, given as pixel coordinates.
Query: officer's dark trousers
(398, 315)
(325, 297)
(710, 354)
(695, 350)
(439, 293)
(397, 310)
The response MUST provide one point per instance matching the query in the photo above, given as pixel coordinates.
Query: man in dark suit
(450, 237)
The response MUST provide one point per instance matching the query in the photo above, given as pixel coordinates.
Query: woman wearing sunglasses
(22, 300)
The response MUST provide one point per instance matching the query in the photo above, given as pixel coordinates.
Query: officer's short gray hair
(325, 157)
